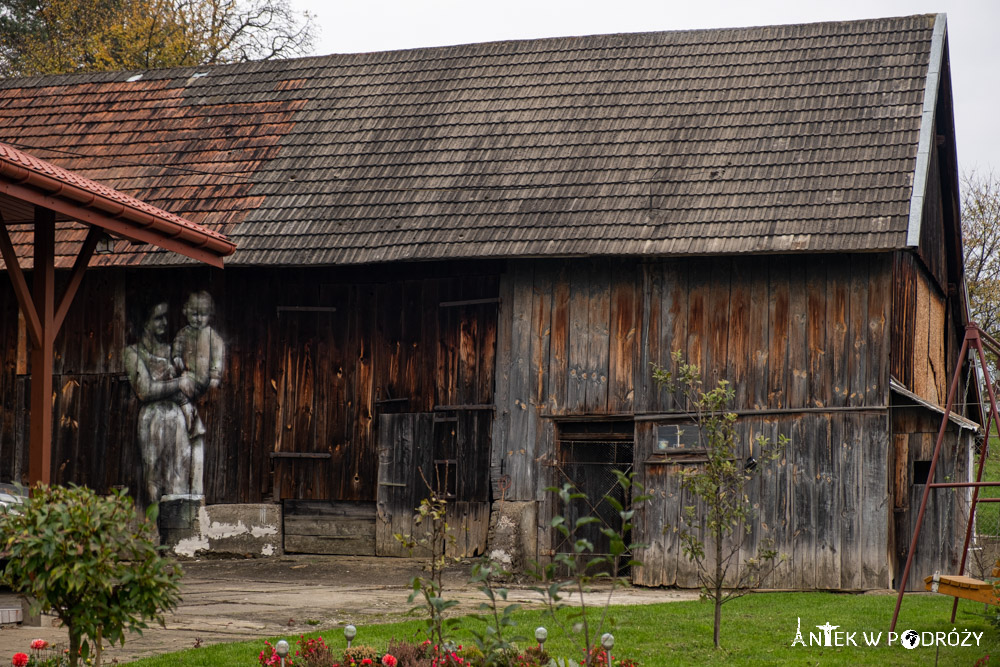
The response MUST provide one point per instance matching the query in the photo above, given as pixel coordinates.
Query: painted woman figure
(171, 435)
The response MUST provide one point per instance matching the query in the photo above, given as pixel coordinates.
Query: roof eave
(962, 422)
(144, 225)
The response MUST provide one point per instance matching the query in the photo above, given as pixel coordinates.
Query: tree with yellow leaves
(60, 36)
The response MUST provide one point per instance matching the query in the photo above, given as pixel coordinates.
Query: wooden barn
(458, 264)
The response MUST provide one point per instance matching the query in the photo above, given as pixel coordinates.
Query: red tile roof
(30, 179)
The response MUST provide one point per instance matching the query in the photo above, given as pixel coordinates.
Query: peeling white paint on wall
(501, 557)
(191, 546)
(261, 531)
(216, 530)
(234, 528)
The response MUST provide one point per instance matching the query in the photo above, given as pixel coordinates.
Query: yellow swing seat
(960, 586)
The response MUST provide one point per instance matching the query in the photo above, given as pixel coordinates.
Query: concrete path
(235, 600)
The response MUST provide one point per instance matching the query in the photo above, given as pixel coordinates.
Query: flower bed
(42, 654)
(315, 653)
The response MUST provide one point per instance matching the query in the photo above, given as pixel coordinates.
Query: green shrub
(90, 561)
(408, 654)
(356, 654)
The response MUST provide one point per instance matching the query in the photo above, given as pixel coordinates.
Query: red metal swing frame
(975, 339)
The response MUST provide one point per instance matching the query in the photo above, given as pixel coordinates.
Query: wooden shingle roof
(769, 139)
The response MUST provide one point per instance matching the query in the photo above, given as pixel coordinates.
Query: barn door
(404, 450)
(467, 330)
(461, 471)
(589, 453)
(301, 458)
(420, 449)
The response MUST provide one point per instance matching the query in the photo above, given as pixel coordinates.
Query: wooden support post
(43, 293)
(21, 290)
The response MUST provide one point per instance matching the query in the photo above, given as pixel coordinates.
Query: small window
(671, 437)
(921, 471)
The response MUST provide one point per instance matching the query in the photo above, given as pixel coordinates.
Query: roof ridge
(330, 59)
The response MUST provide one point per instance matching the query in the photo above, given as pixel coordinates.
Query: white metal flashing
(926, 130)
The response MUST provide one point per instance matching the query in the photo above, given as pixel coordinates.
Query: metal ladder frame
(975, 339)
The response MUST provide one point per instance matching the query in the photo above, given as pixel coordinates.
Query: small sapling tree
(495, 640)
(575, 572)
(713, 530)
(431, 516)
(89, 560)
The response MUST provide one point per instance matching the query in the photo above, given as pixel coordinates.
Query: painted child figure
(199, 355)
(198, 350)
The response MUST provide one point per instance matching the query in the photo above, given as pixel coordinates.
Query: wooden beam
(301, 455)
(76, 276)
(20, 286)
(43, 288)
(469, 302)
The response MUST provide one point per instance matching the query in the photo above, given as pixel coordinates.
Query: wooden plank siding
(794, 335)
(924, 343)
(939, 549)
(808, 342)
(937, 248)
(318, 527)
(313, 356)
(12, 463)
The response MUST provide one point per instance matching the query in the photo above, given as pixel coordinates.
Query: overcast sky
(350, 26)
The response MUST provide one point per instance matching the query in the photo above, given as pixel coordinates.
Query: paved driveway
(233, 600)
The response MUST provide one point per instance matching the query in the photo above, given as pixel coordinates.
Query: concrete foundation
(513, 541)
(230, 530)
(178, 518)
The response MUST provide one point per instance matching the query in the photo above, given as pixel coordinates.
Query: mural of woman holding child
(168, 379)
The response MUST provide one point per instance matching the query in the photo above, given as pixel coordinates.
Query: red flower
(366, 662)
(39, 644)
(389, 660)
(19, 659)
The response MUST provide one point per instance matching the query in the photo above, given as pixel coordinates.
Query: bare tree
(226, 31)
(981, 237)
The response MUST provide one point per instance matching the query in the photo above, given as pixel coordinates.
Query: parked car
(11, 499)
(9, 503)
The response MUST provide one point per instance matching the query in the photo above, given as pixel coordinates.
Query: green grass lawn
(757, 630)
(988, 514)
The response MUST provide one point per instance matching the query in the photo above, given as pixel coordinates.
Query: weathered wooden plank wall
(404, 464)
(835, 463)
(935, 243)
(574, 338)
(322, 527)
(313, 356)
(924, 340)
(11, 460)
(947, 514)
(800, 338)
